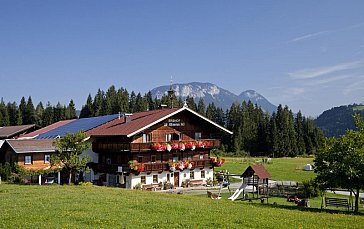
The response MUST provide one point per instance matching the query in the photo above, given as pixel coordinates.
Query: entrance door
(176, 179)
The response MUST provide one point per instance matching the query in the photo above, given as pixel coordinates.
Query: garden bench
(196, 182)
(151, 187)
(337, 202)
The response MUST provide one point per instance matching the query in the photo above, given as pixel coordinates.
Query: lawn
(24, 206)
(288, 169)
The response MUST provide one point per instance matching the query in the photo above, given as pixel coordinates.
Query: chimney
(127, 117)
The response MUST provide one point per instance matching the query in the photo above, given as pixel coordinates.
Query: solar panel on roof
(84, 124)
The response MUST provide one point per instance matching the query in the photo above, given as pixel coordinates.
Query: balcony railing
(203, 163)
(104, 147)
(155, 166)
(148, 166)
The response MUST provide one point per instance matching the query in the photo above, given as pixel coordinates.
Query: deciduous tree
(341, 162)
(69, 150)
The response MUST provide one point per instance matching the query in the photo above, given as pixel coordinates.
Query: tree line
(11, 114)
(255, 131)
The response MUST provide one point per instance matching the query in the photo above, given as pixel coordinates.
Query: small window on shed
(27, 159)
(47, 158)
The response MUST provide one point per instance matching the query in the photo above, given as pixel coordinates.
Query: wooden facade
(181, 137)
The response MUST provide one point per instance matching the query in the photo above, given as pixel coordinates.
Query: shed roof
(83, 124)
(142, 120)
(31, 145)
(258, 170)
(47, 129)
(11, 131)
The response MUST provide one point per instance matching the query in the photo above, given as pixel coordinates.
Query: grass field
(25, 206)
(289, 169)
(101, 207)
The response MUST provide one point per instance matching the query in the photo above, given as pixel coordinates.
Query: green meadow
(54, 206)
(288, 169)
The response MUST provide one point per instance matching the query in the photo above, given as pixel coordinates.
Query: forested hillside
(337, 120)
(255, 132)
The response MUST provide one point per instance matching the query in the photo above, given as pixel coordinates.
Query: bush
(167, 185)
(138, 186)
(5, 171)
(16, 179)
(209, 181)
(311, 189)
(87, 184)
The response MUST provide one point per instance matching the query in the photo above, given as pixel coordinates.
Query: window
(169, 137)
(147, 138)
(140, 159)
(168, 177)
(198, 135)
(192, 175)
(155, 179)
(189, 156)
(28, 159)
(175, 158)
(180, 136)
(154, 158)
(47, 158)
(201, 156)
(142, 179)
(203, 174)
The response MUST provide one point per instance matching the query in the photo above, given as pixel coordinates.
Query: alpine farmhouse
(147, 148)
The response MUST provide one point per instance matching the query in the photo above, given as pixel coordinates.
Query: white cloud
(295, 91)
(310, 35)
(331, 79)
(317, 72)
(354, 87)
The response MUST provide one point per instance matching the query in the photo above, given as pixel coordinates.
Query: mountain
(337, 120)
(212, 93)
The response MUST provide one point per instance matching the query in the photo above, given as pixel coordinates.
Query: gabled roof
(46, 129)
(31, 145)
(258, 170)
(77, 125)
(11, 131)
(143, 120)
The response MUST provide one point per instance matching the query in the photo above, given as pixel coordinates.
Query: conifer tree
(29, 113)
(87, 110)
(149, 101)
(12, 111)
(71, 111)
(201, 107)
(301, 148)
(4, 115)
(39, 114)
(48, 115)
(22, 111)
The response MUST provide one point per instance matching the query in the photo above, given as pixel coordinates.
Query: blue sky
(306, 54)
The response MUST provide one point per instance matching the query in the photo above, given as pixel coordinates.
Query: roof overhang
(174, 113)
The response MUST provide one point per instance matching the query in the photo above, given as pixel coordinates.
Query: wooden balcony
(108, 147)
(203, 163)
(148, 166)
(155, 166)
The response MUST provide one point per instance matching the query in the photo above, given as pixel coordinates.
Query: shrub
(209, 181)
(167, 185)
(16, 179)
(138, 186)
(311, 189)
(5, 171)
(86, 184)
